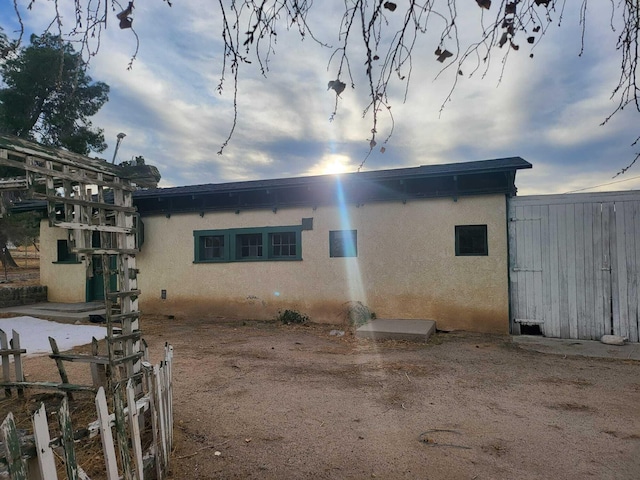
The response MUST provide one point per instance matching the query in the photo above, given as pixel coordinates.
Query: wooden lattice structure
(93, 201)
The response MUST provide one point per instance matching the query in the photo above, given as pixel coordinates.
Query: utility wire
(603, 184)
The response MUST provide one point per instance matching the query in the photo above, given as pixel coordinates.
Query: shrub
(292, 316)
(356, 314)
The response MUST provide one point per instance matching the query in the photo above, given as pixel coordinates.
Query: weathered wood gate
(574, 264)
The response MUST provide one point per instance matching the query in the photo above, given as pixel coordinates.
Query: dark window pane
(343, 243)
(64, 255)
(471, 240)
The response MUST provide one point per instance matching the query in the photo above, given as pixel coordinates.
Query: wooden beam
(58, 174)
(23, 148)
(82, 203)
(93, 228)
(100, 360)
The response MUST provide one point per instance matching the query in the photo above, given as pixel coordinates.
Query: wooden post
(46, 462)
(155, 423)
(107, 436)
(59, 364)
(121, 433)
(6, 367)
(17, 360)
(134, 427)
(66, 432)
(160, 406)
(98, 371)
(17, 468)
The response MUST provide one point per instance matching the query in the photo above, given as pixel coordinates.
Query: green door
(95, 284)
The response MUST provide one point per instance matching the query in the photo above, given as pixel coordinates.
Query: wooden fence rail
(28, 457)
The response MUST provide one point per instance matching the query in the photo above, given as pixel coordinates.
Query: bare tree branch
(383, 36)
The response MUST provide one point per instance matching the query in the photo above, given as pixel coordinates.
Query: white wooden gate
(574, 264)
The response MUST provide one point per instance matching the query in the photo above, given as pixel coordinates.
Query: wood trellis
(101, 227)
(93, 201)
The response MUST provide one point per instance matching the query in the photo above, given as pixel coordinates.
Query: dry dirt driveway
(268, 401)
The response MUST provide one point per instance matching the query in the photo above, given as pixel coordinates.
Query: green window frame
(343, 243)
(248, 244)
(472, 240)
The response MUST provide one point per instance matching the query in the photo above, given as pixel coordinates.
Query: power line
(603, 184)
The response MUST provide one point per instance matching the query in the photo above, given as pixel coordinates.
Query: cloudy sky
(546, 109)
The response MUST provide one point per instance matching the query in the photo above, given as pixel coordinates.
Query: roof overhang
(403, 184)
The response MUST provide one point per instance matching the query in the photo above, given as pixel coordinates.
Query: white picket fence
(30, 457)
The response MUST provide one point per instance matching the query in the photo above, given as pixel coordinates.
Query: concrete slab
(413, 330)
(69, 307)
(60, 312)
(583, 348)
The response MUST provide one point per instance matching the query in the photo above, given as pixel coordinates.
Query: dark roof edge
(436, 170)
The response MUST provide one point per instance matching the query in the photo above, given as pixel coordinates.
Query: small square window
(64, 254)
(471, 240)
(307, 223)
(249, 245)
(343, 243)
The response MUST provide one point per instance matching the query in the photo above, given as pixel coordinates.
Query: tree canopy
(49, 97)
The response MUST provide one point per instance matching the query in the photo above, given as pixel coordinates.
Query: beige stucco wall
(406, 265)
(65, 282)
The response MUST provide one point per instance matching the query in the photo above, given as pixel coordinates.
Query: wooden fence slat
(66, 431)
(165, 406)
(631, 221)
(153, 407)
(17, 467)
(134, 428)
(6, 368)
(621, 320)
(98, 372)
(121, 434)
(17, 361)
(46, 461)
(59, 363)
(635, 268)
(161, 417)
(170, 393)
(106, 435)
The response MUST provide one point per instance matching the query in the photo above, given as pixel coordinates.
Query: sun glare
(335, 164)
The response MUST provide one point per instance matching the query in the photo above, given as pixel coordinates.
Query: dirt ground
(262, 400)
(272, 401)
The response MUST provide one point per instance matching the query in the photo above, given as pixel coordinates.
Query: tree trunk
(6, 258)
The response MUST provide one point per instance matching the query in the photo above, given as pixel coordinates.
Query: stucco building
(423, 242)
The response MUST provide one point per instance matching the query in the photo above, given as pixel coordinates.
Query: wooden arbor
(101, 226)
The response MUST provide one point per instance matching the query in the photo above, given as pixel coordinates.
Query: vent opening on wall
(530, 329)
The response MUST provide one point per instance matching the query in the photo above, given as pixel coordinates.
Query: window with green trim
(248, 244)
